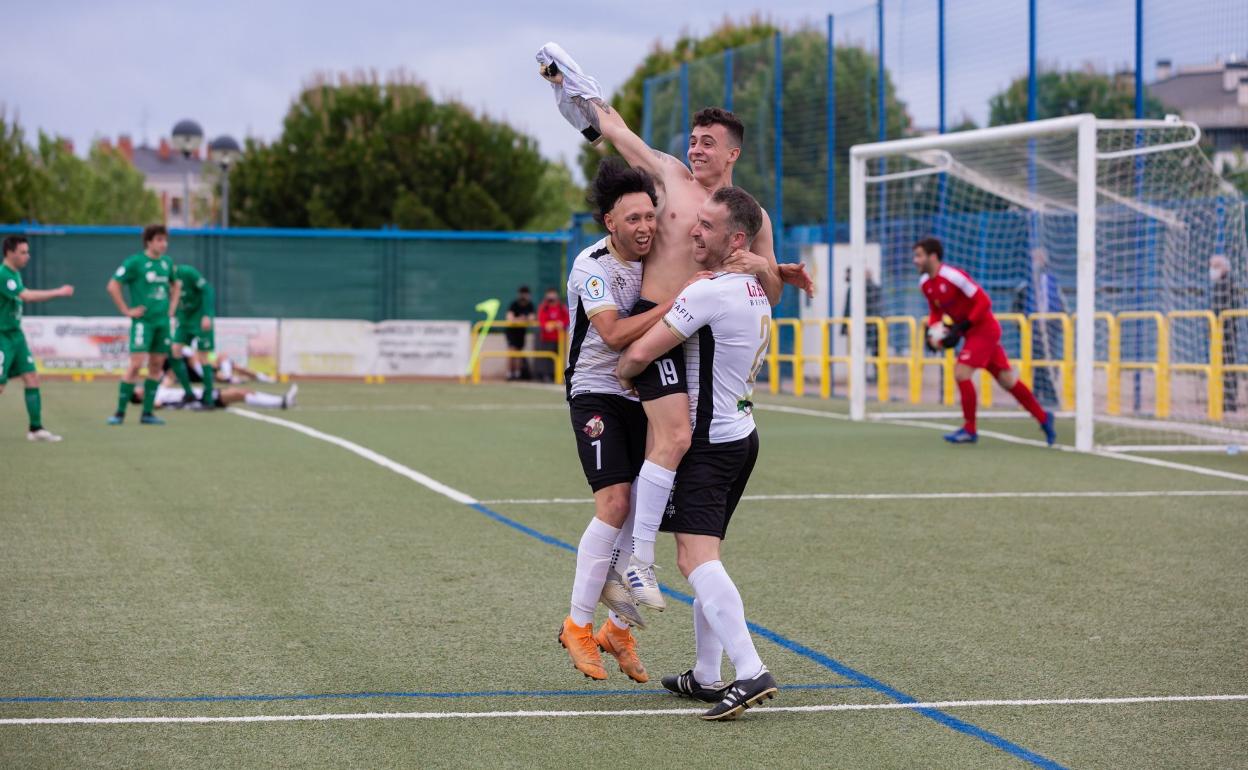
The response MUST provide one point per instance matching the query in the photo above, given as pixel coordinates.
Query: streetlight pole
(187, 136)
(224, 151)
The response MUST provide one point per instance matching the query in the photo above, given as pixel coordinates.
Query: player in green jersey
(154, 297)
(15, 357)
(193, 322)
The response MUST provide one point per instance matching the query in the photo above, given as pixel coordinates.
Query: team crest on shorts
(594, 427)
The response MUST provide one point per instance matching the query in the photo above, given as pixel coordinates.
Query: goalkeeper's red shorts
(981, 348)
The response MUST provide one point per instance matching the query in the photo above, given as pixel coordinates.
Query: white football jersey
(726, 322)
(600, 280)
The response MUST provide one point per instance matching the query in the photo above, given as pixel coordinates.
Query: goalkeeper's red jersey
(954, 293)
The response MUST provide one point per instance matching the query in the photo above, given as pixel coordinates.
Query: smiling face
(713, 238)
(631, 222)
(712, 152)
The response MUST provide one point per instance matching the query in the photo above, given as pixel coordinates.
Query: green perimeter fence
(272, 273)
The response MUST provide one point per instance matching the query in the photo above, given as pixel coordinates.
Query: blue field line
(832, 664)
(366, 695)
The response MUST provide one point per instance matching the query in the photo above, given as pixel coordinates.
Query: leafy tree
(104, 189)
(362, 154)
(52, 184)
(19, 182)
(1071, 93)
(804, 141)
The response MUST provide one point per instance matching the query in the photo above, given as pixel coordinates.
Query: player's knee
(31, 380)
(1007, 378)
(671, 444)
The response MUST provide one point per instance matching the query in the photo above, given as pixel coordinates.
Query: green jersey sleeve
(129, 270)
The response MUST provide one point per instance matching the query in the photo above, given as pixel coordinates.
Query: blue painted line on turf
(366, 695)
(832, 664)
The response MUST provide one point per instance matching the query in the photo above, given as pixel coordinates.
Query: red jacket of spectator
(553, 318)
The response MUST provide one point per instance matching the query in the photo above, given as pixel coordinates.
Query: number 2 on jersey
(764, 333)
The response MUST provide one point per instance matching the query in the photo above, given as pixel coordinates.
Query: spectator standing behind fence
(1223, 296)
(875, 303)
(1043, 294)
(552, 320)
(521, 310)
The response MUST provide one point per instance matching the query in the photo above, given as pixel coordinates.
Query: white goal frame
(1084, 127)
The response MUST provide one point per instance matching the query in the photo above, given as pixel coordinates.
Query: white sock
(266, 400)
(624, 542)
(617, 620)
(593, 556)
(654, 487)
(724, 612)
(710, 649)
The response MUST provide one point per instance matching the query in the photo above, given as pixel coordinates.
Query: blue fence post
(879, 97)
(942, 182)
(647, 112)
(684, 104)
(728, 80)
(777, 223)
(831, 130)
(1031, 59)
(1139, 58)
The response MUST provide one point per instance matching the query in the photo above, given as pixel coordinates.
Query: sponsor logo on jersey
(594, 427)
(12, 284)
(121, 271)
(595, 287)
(755, 289)
(745, 406)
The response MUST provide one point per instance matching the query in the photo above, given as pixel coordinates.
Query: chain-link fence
(810, 94)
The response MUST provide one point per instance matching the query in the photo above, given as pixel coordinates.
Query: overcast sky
(104, 68)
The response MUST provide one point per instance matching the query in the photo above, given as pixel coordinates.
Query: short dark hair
(716, 116)
(151, 231)
(744, 213)
(614, 180)
(12, 242)
(932, 246)
(523, 290)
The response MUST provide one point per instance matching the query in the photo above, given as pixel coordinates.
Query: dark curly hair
(717, 116)
(614, 180)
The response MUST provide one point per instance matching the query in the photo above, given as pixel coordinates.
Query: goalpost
(1094, 240)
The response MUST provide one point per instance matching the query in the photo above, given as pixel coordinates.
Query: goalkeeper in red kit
(951, 292)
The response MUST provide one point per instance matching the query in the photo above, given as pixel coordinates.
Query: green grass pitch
(192, 569)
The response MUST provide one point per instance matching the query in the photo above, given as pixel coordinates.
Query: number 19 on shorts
(667, 371)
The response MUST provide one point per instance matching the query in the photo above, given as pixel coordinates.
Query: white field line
(1018, 440)
(437, 408)
(917, 496)
(364, 452)
(988, 414)
(372, 715)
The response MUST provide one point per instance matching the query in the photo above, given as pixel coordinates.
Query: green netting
(296, 276)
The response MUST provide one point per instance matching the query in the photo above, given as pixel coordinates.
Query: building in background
(1215, 97)
(167, 173)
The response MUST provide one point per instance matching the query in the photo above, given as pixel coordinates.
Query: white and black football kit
(726, 324)
(608, 422)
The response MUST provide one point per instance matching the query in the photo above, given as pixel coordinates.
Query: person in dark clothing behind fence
(875, 305)
(521, 310)
(1224, 295)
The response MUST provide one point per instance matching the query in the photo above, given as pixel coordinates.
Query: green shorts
(149, 336)
(15, 357)
(189, 329)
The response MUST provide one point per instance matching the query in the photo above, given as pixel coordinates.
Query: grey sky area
(90, 69)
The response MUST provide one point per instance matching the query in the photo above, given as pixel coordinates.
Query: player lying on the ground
(950, 291)
(15, 357)
(607, 421)
(730, 316)
(715, 144)
(169, 394)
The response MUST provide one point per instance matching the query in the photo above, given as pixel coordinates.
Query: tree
(804, 140)
(104, 189)
(1071, 93)
(52, 184)
(361, 153)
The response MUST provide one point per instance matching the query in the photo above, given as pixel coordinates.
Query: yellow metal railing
(1066, 364)
(1160, 366)
(556, 356)
(1211, 370)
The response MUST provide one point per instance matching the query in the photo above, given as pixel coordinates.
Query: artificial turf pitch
(226, 567)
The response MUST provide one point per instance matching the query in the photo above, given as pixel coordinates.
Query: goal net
(1095, 241)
